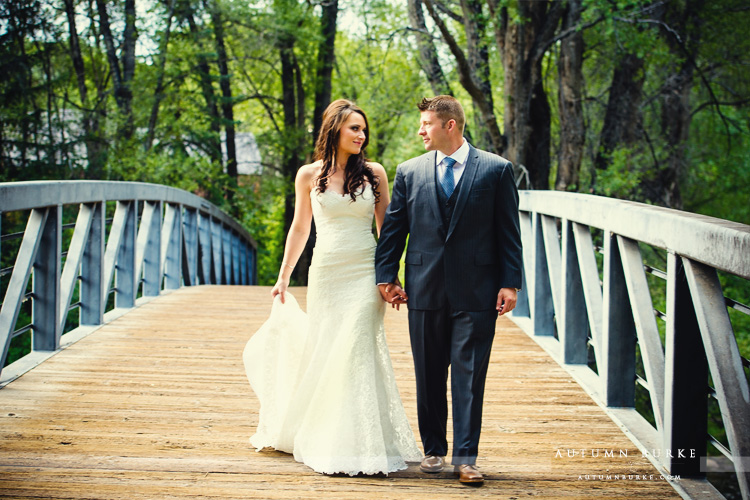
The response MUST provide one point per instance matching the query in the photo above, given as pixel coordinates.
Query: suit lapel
(470, 172)
(428, 178)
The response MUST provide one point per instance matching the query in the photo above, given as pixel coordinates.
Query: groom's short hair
(446, 108)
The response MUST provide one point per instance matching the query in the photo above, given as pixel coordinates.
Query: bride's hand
(279, 288)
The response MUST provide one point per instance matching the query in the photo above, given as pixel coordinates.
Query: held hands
(506, 300)
(393, 294)
(279, 288)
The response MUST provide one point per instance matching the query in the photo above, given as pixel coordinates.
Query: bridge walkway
(156, 405)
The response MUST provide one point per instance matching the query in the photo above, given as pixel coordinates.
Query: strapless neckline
(337, 194)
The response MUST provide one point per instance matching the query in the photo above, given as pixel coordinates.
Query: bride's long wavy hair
(356, 173)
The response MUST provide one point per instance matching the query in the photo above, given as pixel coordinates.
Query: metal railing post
(725, 363)
(244, 264)
(542, 308)
(686, 378)
(92, 270)
(236, 280)
(171, 244)
(190, 247)
(204, 244)
(226, 246)
(19, 278)
(617, 366)
(523, 306)
(126, 281)
(151, 248)
(216, 253)
(572, 323)
(46, 288)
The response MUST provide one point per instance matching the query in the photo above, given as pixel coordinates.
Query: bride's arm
(385, 194)
(299, 231)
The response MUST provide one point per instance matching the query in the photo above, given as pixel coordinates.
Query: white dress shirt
(460, 155)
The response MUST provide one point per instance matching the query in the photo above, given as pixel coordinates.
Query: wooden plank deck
(156, 405)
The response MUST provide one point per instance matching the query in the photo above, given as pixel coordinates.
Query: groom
(459, 207)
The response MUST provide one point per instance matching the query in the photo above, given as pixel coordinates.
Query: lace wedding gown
(324, 379)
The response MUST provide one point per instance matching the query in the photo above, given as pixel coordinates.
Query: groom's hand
(393, 294)
(506, 300)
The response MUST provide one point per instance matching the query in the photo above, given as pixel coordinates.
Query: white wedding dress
(324, 379)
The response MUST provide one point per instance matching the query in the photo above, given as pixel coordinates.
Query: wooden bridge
(145, 395)
(156, 405)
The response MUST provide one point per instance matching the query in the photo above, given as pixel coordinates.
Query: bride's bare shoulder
(307, 173)
(377, 169)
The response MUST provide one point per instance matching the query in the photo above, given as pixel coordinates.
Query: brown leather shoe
(432, 463)
(468, 473)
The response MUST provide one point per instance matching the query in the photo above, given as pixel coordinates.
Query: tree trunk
(538, 147)
(663, 188)
(428, 59)
(122, 77)
(572, 128)
(622, 120)
(290, 78)
(527, 115)
(207, 89)
(291, 157)
(326, 58)
(471, 70)
(475, 26)
(89, 120)
(128, 54)
(227, 102)
(75, 53)
(159, 91)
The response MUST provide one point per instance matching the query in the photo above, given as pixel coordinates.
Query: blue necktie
(447, 181)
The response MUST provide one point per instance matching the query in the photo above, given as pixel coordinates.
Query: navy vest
(447, 205)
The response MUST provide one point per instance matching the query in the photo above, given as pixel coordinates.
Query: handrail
(720, 243)
(160, 238)
(567, 294)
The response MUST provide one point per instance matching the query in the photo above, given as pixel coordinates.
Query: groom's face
(433, 131)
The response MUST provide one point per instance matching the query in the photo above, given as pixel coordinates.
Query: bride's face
(352, 134)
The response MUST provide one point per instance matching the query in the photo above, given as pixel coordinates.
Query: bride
(324, 379)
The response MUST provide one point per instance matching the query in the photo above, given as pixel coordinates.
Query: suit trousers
(461, 340)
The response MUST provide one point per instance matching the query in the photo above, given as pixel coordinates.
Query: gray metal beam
(73, 261)
(32, 236)
(171, 246)
(542, 307)
(216, 252)
(92, 270)
(523, 306)
(226, 247)
(26, 195)
(114, 242)
(190, 246)
(126, 278)
(725, 363)
(572, 324)
(45, 315)
(204, 245)
(552, 254)
(719, 243)
(685, 378)
(148, 255)
(652, 351)
(617, 364)
(592, 290)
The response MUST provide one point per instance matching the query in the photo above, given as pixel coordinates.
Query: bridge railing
(129, 240)
(588, 299)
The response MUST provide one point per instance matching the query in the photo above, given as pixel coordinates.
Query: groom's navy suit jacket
(467, 261)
